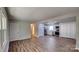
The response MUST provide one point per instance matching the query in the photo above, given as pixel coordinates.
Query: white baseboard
(19, 39)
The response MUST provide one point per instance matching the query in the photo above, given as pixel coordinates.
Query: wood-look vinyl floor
(43, 44)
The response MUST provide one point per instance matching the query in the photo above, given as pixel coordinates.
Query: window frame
(3, 30)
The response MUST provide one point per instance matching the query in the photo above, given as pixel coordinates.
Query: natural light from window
(51, 28)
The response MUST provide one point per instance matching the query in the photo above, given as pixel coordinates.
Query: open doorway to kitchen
(51, 29)
(61, 28)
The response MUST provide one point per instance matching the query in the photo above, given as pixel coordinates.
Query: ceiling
(38, 13)
(69, 19)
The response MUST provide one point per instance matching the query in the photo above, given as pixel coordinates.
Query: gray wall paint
(77, 32)
(19, 30)
(68, 29)
(0, 29)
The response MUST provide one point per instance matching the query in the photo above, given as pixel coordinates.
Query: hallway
(43, 44)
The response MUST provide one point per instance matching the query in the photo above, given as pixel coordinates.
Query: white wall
(68, 29)
(20, 30)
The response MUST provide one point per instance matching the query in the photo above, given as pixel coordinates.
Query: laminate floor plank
(43, 44)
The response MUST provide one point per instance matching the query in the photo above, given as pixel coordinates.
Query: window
(3, 28)
(51, 28)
